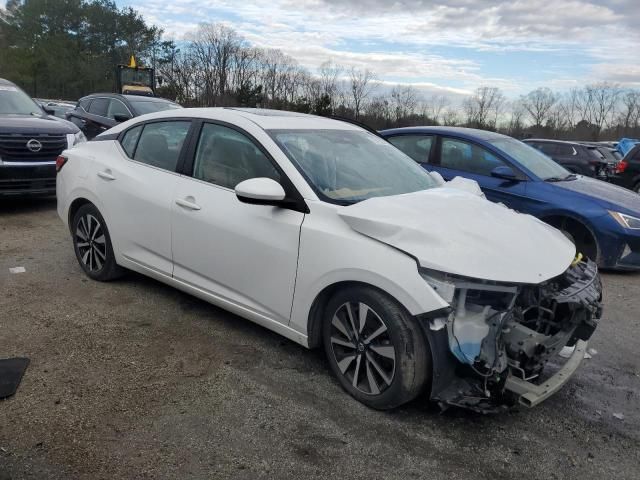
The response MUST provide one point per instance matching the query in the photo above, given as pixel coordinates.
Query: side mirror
(121, 118)
(48, 110)
(506, 173)
(260, 191)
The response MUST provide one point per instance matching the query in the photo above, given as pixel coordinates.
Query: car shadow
(22, 205)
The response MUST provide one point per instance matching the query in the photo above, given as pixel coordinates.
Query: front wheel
(92, 244)
(375, 348)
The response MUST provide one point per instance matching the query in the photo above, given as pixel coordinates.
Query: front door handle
(106, 174)
(188, 202)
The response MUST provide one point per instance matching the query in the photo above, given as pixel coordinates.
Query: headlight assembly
(75, 138)
(627, 221)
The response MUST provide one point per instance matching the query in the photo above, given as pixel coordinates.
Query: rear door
(96, 120)
(137, 189)
(242, 254)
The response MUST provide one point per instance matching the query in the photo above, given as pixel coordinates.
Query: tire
(389, 352)
(95, 256)
(636, 187)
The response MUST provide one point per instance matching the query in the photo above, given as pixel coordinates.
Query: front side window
(467, 157)
(226, 157)
(99, 107)
(160, 144)
(149, 106)
(541, 165)
(116, 107)
(417, 147)
(348, 166)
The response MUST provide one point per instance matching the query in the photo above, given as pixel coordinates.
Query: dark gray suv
(576, 157)
(30, 142)
(100, 111)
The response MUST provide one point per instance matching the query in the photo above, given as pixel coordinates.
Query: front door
(243, 254)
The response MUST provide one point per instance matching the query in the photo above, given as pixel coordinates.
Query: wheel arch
(317, 310)
(559, 219)
(74, 207)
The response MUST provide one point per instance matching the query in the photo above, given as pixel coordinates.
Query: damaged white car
(330, 236)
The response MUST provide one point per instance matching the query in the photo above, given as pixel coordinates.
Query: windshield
(142, 107)
(348, 166)
(14, 101)
(530, 158)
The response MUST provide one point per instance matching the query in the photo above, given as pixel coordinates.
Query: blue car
(603, 220)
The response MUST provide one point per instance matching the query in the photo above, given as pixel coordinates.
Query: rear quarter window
(130, 140)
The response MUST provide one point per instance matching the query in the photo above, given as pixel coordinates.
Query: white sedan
(328, 235)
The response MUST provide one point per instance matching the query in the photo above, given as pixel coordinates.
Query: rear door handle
(188, 202)
(106, 174)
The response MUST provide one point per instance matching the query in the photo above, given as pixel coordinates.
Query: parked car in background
(575, 157)
(96, 113)
(628, 170)
(58, 108)
(30, 142)
(610, 153)
(330, 236)
(602, 219)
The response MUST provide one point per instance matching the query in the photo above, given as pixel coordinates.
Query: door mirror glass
(261, 191)
(505, 173)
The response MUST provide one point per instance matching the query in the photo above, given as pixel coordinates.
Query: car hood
(36, 124)
(457, 232)
(615, 197)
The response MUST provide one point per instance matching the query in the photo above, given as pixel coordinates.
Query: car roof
(6, 82)
(469, 133)
(137, 98)
(265, 119)
(566, 142)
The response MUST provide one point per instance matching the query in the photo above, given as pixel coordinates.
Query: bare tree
(362, 84)
(538, 104)
(405, 100)
(603, 98)
(483, 107)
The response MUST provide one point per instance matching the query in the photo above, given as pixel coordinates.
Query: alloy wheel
(91, 243)
(362, 348)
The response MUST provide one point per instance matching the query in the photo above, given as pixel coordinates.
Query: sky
(450, 47)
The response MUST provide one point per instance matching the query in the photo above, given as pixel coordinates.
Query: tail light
(60, 161)
(622, 166)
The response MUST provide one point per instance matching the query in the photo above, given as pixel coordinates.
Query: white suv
(329, 235)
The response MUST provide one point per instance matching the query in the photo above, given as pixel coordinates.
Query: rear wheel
(375, 348)
(636, 187)
(92, 244)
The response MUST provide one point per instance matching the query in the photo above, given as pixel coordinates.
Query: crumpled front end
(491, 348)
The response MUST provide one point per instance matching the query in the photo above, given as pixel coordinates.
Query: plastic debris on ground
(619, 416)
(17, 269)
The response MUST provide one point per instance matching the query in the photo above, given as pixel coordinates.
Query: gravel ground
(133, 379)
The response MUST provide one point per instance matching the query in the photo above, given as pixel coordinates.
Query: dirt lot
(133, 379)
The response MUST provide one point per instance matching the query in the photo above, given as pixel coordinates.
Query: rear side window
(417, 147)
(99, 107)
(160, 144)
(562, 149)
(130, 140)
(546, 148)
